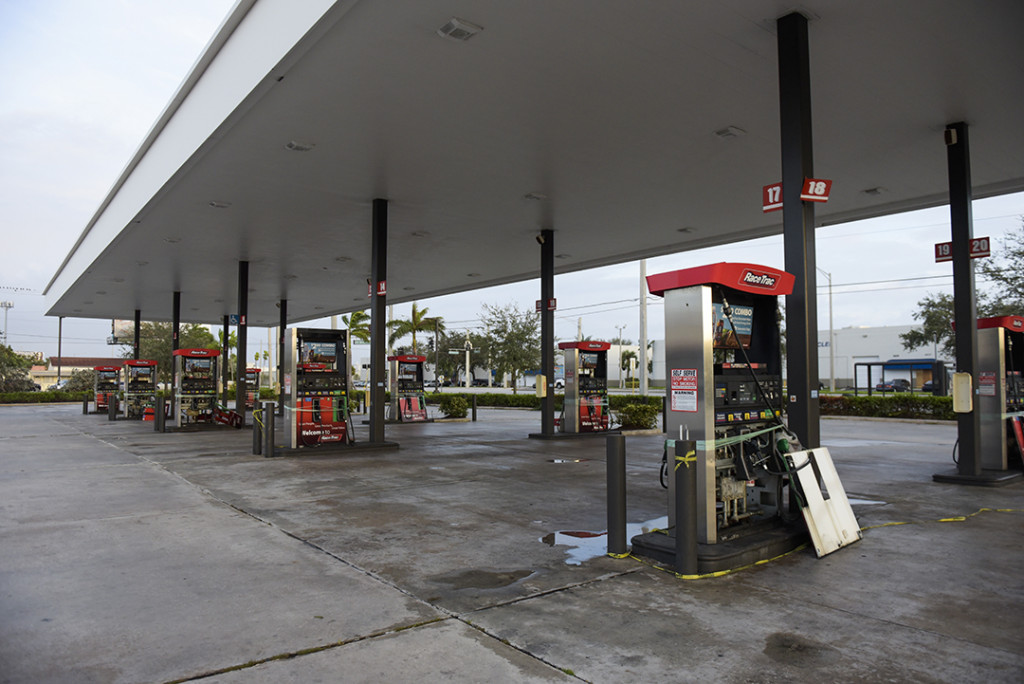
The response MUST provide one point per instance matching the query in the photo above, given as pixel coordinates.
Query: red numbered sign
(979, 248)
(816, 190)
(771, 197)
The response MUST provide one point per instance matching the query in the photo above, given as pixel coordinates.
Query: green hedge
(42, 397)
(889, 406)
(530, 400)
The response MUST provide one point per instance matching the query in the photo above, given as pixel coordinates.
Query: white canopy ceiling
(631, 129)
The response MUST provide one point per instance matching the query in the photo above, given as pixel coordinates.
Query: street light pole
(6, 306)
(831, 338)
(620, 328)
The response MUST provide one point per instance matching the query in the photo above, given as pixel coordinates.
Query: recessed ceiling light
(141, 263)
(77, 310)
(459, 30)
(101, 292)
(194, 308)
(537, 196)
(118, 280)
(562, 256)
(686, 229)
(473, 275)
(218, 301)
(419, 233)
(318, 308)
(730, 132)
(408, 289)
(89, 302)
(219, 205)
(874, 192)
(296, 146)
(290, 276)
(343, 258)
(172, 240)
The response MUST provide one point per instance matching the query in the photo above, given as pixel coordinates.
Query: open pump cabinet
(723, 357)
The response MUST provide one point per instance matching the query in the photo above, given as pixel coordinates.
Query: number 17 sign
(814, 190)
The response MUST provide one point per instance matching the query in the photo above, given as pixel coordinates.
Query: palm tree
(627, 356)
(418, 321)
(358, 325)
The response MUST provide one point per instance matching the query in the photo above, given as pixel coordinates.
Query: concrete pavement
(131, 556)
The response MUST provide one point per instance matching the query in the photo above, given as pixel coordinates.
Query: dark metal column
(175, 330)
(136, 342)
(965, 313)
(281, 338)
(547, 329)
(225, 355)
(378, 318)
(798, 229)
(241, 350)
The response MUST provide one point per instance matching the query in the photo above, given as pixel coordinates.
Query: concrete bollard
(685, 464)
(474, 408)
(159, 414)
(269, 417)
(616, 474)
(257, 431)
(85, 407)
(111, 406)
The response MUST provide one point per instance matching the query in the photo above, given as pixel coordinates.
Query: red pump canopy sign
(739, 276)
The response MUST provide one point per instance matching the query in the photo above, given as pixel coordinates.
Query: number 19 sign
(979, 247)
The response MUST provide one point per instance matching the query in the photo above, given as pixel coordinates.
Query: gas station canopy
(631, 129)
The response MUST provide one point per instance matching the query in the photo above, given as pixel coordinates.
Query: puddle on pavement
(567, 460)
(865, 502)
(584, 545)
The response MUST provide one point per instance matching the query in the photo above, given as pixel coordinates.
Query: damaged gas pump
(724, 364)
(139, 388)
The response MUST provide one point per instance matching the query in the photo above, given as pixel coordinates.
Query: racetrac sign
(745, 277)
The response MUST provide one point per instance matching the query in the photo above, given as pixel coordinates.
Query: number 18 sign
(814, 190)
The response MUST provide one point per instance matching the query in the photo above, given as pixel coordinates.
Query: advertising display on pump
(252, 385)
(723, 356)
(316, 389)
(198, 386)
(106, 382)
(585, 407)
(408, 400)
(139, 388)
(1000, 392)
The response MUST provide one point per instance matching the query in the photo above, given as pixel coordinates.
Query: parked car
(559, 384)
(897, 385)
(479, 382)
(928, 386)
(430, 383)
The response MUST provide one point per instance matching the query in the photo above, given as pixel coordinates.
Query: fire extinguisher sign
(683, 387)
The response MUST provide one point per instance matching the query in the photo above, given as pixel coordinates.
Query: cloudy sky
(86, 79)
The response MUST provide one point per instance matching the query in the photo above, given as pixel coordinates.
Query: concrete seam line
(554, 590)
(306, 651)
(528, 654)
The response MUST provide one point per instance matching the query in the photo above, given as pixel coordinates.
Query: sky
(86, 79)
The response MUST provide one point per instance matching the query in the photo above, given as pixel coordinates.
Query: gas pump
(195, 397)
(724, 362)
(252, 385)
(585, 407)
(1000, 395)
(316, 389)
(139, 387)
(106, 381)
(408, 401)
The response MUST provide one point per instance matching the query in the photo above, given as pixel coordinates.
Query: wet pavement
(472, 554)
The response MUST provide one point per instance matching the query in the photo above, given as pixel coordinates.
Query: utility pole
(468, 348)
(831, 338)
(6, 306)
(643, 327)
(620, 328)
